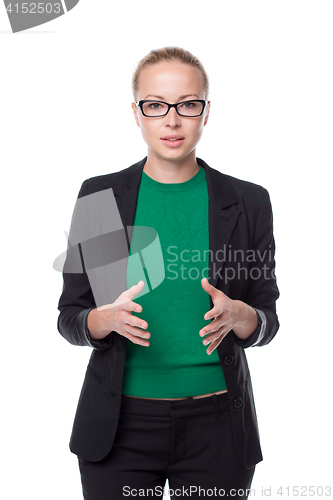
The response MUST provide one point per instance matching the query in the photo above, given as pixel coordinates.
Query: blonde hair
(168, 54)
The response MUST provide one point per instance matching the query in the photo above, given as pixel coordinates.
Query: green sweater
(176, 363)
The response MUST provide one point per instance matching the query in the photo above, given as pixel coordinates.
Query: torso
(174, 399)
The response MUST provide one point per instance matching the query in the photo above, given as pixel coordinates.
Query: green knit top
(176, 363)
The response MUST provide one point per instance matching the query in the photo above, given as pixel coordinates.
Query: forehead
(170, 79)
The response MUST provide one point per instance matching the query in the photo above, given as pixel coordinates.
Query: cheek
(148, 130)
(197, 131)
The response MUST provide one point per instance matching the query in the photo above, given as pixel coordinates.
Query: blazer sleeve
(262, 291)
(75, 303)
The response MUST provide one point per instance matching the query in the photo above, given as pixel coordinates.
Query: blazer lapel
(223, 213)
(126, 192)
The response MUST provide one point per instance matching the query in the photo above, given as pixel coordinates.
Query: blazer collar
(219, 189)
(223, 207)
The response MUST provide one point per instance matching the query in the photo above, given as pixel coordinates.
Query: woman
(167, 392)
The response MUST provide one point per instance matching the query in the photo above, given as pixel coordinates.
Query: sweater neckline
(173, 186)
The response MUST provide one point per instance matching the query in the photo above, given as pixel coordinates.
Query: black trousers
(190, 442)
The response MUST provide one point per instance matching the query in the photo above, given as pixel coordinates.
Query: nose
(172, 118)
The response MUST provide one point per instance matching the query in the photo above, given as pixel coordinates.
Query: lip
(179, 139)
(174, 136)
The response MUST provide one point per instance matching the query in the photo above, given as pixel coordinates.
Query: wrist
(247, 320)
(95, 325)
(241, 313)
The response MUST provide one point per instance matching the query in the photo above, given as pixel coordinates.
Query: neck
(171, 171)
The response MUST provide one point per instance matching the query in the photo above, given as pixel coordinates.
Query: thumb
(130, 293)
(209, 288)
(206, 283)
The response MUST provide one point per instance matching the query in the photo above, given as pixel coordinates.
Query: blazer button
(238, 402)
(228, 360)
(112, 393)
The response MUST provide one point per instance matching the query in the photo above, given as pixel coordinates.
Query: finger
(135, 289)
(130, 293)
(214, 345)
(214, 292)
(222, 331)
(132, 306)
(137, 332)
(212, 327)
(217, 341)
(213, 313)
(209, 288)
(136, 322)
(136, 339)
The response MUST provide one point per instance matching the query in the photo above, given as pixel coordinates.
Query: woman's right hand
(118, 317)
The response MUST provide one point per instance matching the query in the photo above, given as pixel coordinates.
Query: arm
(262, 293)
(75, 303)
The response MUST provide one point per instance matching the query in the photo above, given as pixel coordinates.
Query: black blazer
(240, 218)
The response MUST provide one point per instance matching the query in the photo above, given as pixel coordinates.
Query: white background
(66, 115)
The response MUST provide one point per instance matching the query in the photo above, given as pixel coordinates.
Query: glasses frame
(141, 103)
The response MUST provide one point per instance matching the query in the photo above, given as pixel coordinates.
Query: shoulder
(252, 199)
(248, 194)
(232, 188)
(100, 182)
(246, 190)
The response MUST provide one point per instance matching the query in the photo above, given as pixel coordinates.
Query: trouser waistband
(179, 408)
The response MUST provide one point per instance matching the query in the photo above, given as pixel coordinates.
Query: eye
(189, 105)
(154, 105)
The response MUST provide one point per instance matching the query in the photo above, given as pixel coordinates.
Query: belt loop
(216, 404)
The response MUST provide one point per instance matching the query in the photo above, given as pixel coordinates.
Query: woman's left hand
(229, 314)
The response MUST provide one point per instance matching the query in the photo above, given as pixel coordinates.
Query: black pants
(188, 441)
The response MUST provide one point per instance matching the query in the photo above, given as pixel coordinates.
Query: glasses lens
(190, 108)
(154, 108)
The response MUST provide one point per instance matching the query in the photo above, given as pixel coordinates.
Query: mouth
(173, 140)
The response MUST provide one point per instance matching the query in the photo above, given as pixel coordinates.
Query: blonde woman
(167, 392)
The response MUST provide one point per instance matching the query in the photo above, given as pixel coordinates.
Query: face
(171, 82)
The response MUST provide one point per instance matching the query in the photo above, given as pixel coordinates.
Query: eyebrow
(180, 98)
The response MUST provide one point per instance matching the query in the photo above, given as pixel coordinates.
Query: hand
(229, 315)
(118, 317)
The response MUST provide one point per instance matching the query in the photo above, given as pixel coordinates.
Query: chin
(173, 154)
(173, 157)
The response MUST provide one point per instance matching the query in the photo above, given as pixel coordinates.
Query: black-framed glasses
(160, 108)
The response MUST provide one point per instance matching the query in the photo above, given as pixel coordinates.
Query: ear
(207, 112)
(135, 112)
